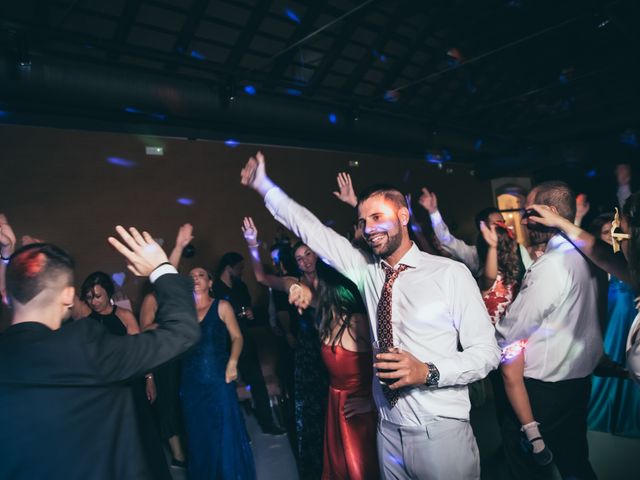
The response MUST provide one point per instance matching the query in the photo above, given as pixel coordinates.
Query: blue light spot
(158, 116)
(197, 55)
(250, 90)
(433, 158)
(416, 228)
(326, 260)
(383, 58)
(391, 95)
(248, 388)
(333, 118)
(293, 91)
(231, 143)
(131, 110)
(629, 137)
(478, 144)
(329, 223)
(396, 460)
(185, 201)
(121, 162)
(592, 173)
(3, 113)
(446, 155)
(292, 15)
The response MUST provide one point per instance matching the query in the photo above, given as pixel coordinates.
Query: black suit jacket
(65, 411)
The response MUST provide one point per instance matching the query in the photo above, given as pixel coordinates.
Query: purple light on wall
(158, 116)
(333, 118)
(121, 162)
(250, 90)
(293, 91)
(185, 201)
(3, 113)
(592, 173)
(231, 143)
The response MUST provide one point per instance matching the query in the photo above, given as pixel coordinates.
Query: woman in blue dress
(614, 406)
(218, 444)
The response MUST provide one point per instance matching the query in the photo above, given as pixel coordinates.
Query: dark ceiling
(470, 80)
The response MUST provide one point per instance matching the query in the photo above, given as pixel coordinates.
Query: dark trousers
(249, 367)
(561, 410)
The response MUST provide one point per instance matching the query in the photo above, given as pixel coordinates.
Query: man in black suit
(65, 410)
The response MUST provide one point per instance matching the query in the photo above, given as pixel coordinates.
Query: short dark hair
(97, 279)
(229, 259)
(389, 192)
(557, 194)
(36, 267)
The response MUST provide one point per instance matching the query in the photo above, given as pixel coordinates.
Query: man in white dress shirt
(435, 304)
(556, 312)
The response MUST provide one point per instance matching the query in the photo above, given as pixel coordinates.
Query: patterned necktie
(385, 329)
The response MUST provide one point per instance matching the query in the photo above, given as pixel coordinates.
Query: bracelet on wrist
(163, 263)
(255, 245)
(6, 259)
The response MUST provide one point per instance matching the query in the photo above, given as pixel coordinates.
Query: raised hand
(7, 237)
(428, 201)
(346, 193)
(301, 296)
(254, 175)
(489, 234)
(250, 232)
(141, 251)
(582, 207)
(185, 235)
(543, 215)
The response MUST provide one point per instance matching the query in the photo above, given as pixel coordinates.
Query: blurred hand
(489, 234)
(355, 405)
(346, 193)
(28, 240)
(545, 216)
(152, 393)
(7, 237)
(407, 369)
(231, 373)
(185, 235)
(142, 253)
(250, 231)
(428, 200)
(301, 296)
(582, 207)
(254, 175)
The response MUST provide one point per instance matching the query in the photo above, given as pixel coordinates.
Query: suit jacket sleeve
(116, 358)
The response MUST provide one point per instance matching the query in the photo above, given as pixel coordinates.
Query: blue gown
(615, 402)
(217, 437)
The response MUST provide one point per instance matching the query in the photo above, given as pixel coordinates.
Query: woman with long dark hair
(334, 333)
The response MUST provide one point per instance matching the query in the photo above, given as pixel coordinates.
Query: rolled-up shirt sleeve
(476, 334)
(323, 240)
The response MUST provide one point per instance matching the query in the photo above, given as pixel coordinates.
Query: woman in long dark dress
(218, 444)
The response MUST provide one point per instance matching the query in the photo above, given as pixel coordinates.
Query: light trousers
(440, 449)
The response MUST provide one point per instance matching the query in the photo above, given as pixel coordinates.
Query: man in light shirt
(435, 304)
(556, 313)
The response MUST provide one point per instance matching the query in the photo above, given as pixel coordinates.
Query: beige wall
(57, 185)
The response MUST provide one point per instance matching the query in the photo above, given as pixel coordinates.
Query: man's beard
(539, 234)
(393, 243)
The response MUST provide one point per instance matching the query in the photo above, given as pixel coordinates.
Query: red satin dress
(350, 451)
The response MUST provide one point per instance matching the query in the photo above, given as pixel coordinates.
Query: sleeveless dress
(350, 451)
(218, 442)
(614, 406)
(149, 435)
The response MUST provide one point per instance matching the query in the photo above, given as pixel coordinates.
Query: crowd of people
(382, 342)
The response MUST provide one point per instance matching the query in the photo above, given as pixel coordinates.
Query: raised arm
(599, 252)
(345, 192)
(459, 250)
(184, 238)
(227, 315)
(118, 358)
(321, 239)
(490, 272)
(250, 233)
